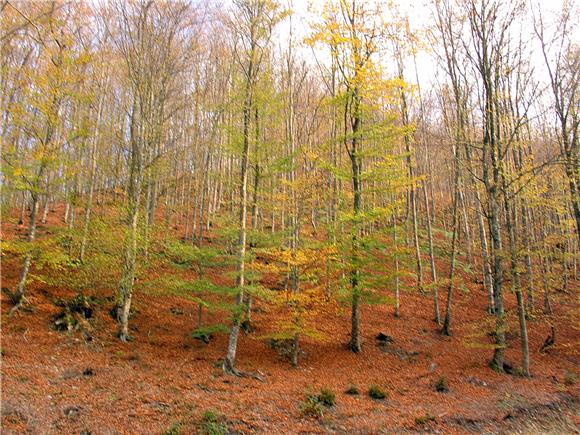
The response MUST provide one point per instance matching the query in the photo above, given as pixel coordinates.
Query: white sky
(420, 16)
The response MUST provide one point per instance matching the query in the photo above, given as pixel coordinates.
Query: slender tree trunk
(437, 317)
(18, 297)
(230, 359)
(254, 209)
(397, 282)
(511, 221)
(22, 209)
(355, 340)
(128, 269)
(466, 226)
(46, 205)
(125, 291)
(495, 232)
(447, 321)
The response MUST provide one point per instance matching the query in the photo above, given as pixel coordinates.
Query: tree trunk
(447, 321)
(230, 359)
(355, 341)
(18, 297)
(125, 291)
(511, 220)
(437, 317)
(397, 283)
(497, 361)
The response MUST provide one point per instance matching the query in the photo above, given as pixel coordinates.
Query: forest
(289, 216)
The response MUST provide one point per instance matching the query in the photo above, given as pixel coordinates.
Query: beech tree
(252, 22)
(355, 33)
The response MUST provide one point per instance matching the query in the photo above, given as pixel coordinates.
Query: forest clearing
(268, 216)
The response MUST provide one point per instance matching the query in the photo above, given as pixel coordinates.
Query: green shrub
(352, 390)
(441, 385)
(376, 392)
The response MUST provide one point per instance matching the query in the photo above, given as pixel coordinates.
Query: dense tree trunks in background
(92, 179)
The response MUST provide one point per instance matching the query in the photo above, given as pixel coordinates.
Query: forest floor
(56, 382)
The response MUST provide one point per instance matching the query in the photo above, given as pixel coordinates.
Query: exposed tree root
(19, 300)
(229, 369)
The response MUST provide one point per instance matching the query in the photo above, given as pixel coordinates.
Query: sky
(420, 16)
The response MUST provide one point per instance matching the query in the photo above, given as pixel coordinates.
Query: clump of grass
(314, 404)
(352, 390)
(174, 429)
(376, 392)
(570, 378)
(441, 385)
(311, 407)
(211, 415)
(213, 423)
(327, 397)
(424, 419)
(207, 333)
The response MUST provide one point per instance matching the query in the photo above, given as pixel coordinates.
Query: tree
(354, 33)
(490, 30)
(252, 23)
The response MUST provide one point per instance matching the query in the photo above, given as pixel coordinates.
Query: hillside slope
(57, 382)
